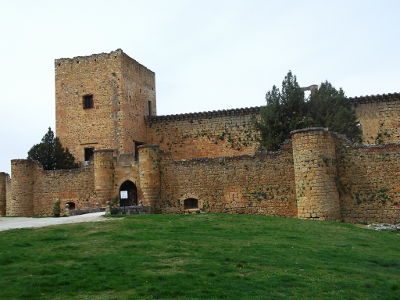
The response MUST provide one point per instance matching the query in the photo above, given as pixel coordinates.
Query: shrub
(56, 208)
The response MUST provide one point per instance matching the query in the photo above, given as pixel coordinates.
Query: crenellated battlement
(375, 98)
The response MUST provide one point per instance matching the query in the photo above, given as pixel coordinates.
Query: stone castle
(106, 115)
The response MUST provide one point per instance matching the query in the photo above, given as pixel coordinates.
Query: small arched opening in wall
(191, 203)
(71, 205)
(128, 194)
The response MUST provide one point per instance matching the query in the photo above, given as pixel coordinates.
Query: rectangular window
(136, 145)
(149, 107)
(89, 152)
(88, 101)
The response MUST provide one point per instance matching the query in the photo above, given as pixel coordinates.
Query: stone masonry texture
(21, 202)
(368, 182)
(261, 183)
(103, 175)
(121, 89)
(149, 174)
(229, 133)
(65, 185)
(315, 170)
(213, 157)
(4, 177)
(379, 117)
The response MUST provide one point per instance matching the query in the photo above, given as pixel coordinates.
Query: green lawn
(200, 256)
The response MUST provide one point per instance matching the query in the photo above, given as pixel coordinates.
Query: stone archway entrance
(128, 194)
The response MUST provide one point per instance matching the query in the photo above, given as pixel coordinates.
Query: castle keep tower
(101, 102)
(315, 170)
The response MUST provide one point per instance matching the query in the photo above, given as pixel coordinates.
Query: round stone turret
(21, 201)
(3, 193)
(103, 175)
(315, 170)
(149, 174)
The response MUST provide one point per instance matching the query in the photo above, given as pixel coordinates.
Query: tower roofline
(91, 56)
(97, 56)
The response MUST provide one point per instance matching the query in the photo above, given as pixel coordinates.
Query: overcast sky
(207, 55)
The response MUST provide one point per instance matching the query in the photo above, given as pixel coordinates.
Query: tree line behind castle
(286, 109)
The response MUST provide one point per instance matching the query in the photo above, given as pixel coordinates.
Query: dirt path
(7, 223)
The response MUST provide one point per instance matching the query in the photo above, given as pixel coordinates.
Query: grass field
(200, 256)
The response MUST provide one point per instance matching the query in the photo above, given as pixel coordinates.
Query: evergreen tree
(288, 109)
(330, 108)
(50, 153)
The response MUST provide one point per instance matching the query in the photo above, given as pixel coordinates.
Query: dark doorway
(128, 194)
(89, 152)
(190, 203)
(71, 205)
(136, 144)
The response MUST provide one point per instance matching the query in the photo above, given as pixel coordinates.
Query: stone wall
(379, 118)
(368, 183)
(34, 190)
(209, 134)
(256, 184)
(322, 176)
(75, 185)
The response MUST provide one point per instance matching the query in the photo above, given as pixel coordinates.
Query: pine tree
(329, 107)
(288, 109)
(50, 153)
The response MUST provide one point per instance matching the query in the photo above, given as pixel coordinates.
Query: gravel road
(7, 223)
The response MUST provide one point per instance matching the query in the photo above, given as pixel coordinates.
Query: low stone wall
(75, 185)
(318, 174)
(368, 183)
(253, 184)
(128, 210)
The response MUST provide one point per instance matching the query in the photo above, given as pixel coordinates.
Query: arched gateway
(128, 194)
